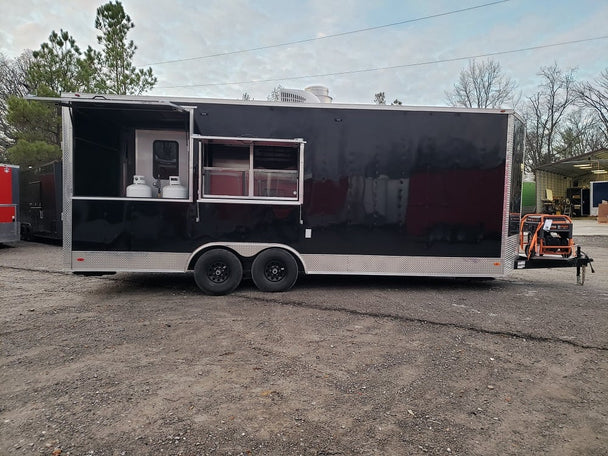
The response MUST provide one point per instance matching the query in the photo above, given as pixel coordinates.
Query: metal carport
(573, 172)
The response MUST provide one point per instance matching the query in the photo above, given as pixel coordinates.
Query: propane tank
(139, 189)
(174, 189)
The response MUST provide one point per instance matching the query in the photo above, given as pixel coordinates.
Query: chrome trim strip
(191, 110)
(249, 139)
(125, 198)
(266, 201)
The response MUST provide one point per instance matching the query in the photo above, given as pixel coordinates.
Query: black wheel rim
(275, 271)
(218, 272)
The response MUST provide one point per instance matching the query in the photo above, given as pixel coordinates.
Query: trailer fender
(245, 250)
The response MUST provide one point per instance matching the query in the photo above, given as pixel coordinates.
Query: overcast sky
(411, 50)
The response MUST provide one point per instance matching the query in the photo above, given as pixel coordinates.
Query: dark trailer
(263, 189)
(41, 202)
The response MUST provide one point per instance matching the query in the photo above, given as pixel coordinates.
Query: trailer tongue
(580, 262)
(547, 242)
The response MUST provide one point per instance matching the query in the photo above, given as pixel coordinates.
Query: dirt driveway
(146, 365)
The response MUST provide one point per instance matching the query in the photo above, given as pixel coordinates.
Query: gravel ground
(143, 364)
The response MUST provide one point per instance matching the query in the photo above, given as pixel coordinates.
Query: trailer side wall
(377, 183)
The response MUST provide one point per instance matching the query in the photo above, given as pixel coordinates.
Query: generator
(544, 234)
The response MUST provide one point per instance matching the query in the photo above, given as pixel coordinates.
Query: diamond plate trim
(129, 261)
(512, 253)
(507, 187)
(313, 264)
(403, 266)
(68, 187)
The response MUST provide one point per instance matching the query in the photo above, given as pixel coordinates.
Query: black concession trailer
(267, 190)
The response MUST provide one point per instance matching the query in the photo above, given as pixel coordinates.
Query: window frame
(156, 164)
(297, 144)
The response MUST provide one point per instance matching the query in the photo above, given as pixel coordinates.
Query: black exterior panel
(377, 181)
(160, 226)
(388, 182)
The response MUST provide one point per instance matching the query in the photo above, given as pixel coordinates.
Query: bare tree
(580, 134)
(482, 85)
(380, 98)
(595, 97)
(275, 95)
(546, 113)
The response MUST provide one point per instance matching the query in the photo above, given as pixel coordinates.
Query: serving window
(112, 146)
(246, 169)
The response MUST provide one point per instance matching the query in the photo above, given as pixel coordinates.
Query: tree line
(31, 132)
(564, 117)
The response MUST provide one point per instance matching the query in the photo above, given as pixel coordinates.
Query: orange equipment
(542, 234)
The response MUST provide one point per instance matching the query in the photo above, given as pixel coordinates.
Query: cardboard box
(602, 212)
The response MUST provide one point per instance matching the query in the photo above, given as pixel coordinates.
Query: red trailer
(9, 203)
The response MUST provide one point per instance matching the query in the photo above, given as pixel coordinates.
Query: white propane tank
(174, 189)
(139, 189)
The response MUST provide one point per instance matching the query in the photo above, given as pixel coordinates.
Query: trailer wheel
(527, 251)
(25, 233)
(274, 270)
(218, 272)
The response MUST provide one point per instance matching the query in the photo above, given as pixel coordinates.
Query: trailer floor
(146, 365)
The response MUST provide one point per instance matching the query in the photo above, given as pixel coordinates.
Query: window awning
(100, 101)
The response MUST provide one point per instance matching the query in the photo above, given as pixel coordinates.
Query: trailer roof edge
(177, 103)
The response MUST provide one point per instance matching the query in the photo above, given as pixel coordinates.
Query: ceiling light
(599, 171)
(584, 166)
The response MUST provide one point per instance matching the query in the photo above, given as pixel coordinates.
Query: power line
(308, 40)
(407, 65)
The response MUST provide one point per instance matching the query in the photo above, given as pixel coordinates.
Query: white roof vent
(312, 94)
(321, 92)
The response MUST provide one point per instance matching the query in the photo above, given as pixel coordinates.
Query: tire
(25, 233)
(218, 272)
(274, 270)
(527, 251)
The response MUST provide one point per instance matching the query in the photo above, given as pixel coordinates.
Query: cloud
(184, 29)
